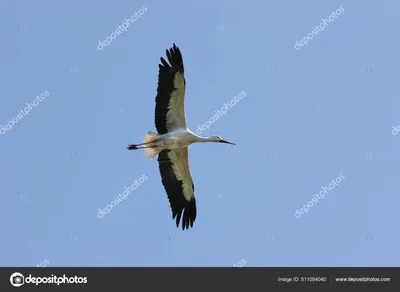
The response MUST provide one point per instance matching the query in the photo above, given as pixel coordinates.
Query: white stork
(173, 138)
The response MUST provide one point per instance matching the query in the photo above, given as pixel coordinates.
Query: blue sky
(308, 116)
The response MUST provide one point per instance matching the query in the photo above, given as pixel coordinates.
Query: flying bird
(173, 139)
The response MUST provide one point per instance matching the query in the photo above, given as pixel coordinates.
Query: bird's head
(220, 140)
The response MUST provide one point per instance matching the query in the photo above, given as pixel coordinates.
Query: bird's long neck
(203, 139)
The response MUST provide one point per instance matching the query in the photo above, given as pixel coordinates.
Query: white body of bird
(179, 138)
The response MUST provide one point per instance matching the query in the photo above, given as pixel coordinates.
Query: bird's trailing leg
(149, 141)
(151, 149)
(137, 146)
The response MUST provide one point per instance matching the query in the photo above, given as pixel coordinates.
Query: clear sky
(309, 115)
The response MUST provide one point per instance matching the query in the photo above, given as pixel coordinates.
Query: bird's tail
(151, 152)
(150, 137)
(149, 149)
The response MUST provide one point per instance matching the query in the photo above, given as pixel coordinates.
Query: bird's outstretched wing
(170, 99)
(178, 183)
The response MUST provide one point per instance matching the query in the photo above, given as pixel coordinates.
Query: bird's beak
(227, 142)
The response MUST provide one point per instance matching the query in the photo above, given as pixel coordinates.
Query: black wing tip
(174, 57)
(189, 215)
(173, 48)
